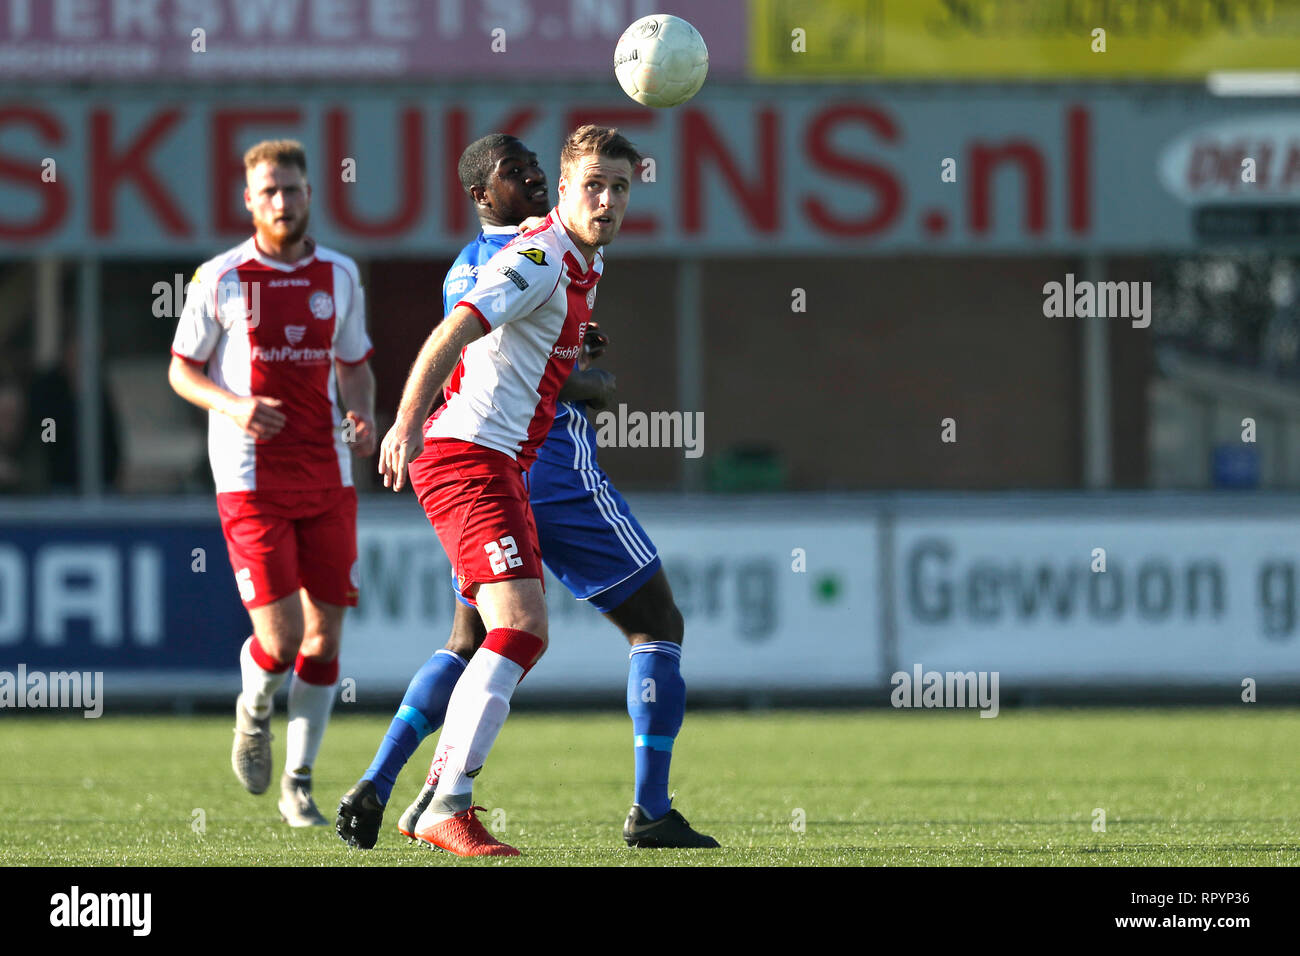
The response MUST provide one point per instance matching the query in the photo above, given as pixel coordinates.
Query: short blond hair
(602, 140)
(277, 152)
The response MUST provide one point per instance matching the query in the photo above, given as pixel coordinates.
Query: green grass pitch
(1178, 787)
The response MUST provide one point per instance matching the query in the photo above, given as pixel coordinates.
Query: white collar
(499, 230)
(255, 252)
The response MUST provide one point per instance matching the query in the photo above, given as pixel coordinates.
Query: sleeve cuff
(361, 361)
(487, 326)
(192, 361)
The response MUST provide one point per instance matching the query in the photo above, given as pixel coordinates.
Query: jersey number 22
(503, 554)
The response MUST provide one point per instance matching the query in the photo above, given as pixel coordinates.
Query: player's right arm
(510, 285)
(256, 414)
(436, 361)
(197, 335)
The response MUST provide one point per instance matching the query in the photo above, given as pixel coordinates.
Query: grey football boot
(406, 822)
(297, 808)
(251, 756)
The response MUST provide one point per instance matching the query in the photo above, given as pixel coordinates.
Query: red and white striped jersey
(272, 328)
(534, 298)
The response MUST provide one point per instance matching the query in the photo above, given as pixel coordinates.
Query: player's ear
(248, 199)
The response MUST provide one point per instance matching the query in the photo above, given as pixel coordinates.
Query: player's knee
(674, 624)
(282, 648)
(535, 626)
(528, 613)
(665, 622)
(668, 626)
(467, 632)
(463, 644)
(531, 624)
(320, 645)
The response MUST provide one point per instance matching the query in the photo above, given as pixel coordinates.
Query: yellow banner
(1020, 39)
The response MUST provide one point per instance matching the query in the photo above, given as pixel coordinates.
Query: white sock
(259, 685)
(309, 711)
(476, 713)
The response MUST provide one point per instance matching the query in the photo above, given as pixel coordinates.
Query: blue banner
(125, 597)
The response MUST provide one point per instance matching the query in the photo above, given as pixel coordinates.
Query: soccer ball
(661, 60)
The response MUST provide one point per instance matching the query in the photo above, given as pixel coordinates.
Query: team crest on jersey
(536, 255)
(294, 333)
(321, 304)
(591, 298)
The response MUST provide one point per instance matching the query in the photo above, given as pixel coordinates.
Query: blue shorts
(589, 538)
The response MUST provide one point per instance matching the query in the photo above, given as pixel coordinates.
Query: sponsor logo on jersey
(281, 283)
(536, 255)
(286, 353)
(514, 277)
(294, 333)
(573, 351)
(321, 304)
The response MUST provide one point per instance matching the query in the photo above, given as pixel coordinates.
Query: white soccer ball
(661, 60)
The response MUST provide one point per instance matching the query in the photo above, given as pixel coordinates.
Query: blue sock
(656, 702)
(422, 712)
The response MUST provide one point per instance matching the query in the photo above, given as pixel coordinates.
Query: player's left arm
(357, 394)
(595, 386)
(352, 351)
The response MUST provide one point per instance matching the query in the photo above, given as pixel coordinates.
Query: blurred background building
(840, 252)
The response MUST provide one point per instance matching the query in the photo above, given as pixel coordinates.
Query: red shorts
(280, 541)
(476, 500)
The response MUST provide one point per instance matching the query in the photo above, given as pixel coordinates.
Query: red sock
(313, 670)
(265, 660)
(523, 648)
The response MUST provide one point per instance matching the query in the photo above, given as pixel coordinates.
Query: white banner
(1186, 600)
(771, 603)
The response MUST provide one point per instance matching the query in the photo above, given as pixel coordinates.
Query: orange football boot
(464, 835)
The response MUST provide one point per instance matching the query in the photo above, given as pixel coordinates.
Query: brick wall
(852, 391)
